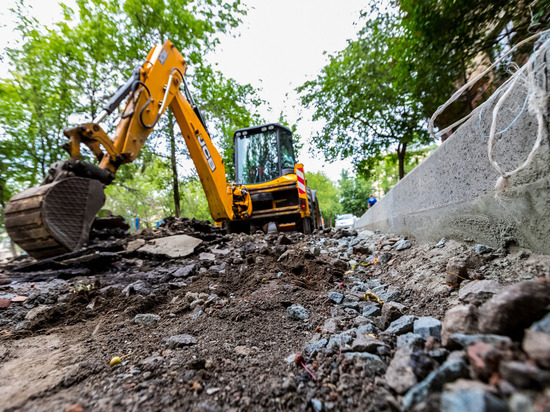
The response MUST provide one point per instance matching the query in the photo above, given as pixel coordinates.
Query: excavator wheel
(55, 218)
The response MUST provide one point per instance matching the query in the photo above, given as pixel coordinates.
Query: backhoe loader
(270, 188)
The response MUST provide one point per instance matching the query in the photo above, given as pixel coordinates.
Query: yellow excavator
(270, 188)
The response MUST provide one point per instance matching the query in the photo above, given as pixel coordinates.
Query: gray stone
(35, 312)
(222, 252)
(185, 271)
(400, 375)
(457, 270)
(391, 294)
(315, 347)
(137, 288)
(385, 258)
(207, 256)
(371, 310)
(441, 243)
(367, 328)
(515, 308)
(460, 319)
(146, 319)
(524, 375)
(351, 305)
(482, 249)
(336, 297)
(462, 340)
(451, 370)
(390, 311)
(317, 405)
(179, 341)
(428, 326)
(477, 292)
(402, 245)
(368, 360)
(439, 354)
(365, 343)
(537, 346)
(341, 340)
(173, 246)
(411, 341)
(542, 325)
(402, 325)
(134, 245)
(520, 402)
(297, 312)
(472, 400)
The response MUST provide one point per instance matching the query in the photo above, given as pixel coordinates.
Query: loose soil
(56, 346)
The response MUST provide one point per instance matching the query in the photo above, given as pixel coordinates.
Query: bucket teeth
(53, 219)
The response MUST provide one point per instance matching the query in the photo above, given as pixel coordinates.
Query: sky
(280, 45)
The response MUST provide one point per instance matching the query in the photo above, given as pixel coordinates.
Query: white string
(460, 91)
(538, 102)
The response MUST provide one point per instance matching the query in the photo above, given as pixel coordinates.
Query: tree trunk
(174, 163)
(401, 150)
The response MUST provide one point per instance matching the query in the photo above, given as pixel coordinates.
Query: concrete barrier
(452, 193)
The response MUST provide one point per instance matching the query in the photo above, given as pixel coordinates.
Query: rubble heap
(193, 318)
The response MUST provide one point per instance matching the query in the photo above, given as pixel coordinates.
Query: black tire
(305, 226)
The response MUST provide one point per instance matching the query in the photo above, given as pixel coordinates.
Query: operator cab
(263, 153)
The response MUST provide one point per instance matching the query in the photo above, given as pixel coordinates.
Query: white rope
(538, 103)
(460, 91)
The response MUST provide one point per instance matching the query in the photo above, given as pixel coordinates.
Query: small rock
(179, 341)
(457, 270)
(185, 271)
(243, 350)
(385, 258)
(542, 325)
(137, 288)
(441, 243)
(212, 391)
(402, 325)
(482, 249)
(315, 347)
(462, 340)
(340, 264)
(520, 403)
(524, 375)
(460, 319)
(400, 375)
(410, 341)
(297, 312)
(173, 246)
(391, 294)
(146, 319)
(402, 245)
(207, 256)
(451, 370)
(372, 310)
(5, 303)
(428, 326)
(35, 312)
(336, 297)
(390, 311)
(341, 340)
(515, 308)
(537, 346)
(317, 405)
(368, 360)
(478, 292)
(475, 399)
(365, 343)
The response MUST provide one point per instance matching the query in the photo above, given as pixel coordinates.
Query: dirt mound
(220, 328)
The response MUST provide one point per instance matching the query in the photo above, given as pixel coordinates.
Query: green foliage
(61, 75)
(194, 203)
(448, 39)
(327, 194)
(354, 194)
(366, 104)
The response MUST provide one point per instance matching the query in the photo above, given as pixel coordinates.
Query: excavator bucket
(55, 218)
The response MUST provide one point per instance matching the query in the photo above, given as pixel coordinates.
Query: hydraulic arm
(56, 217)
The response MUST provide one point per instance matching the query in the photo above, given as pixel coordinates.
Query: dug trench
(339, 320)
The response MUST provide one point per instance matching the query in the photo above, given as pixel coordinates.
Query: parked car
(345, 221)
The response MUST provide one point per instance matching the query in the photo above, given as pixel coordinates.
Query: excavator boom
(56, 217)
